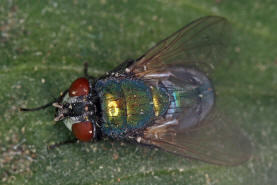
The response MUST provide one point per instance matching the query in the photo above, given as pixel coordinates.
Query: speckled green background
(43, 45)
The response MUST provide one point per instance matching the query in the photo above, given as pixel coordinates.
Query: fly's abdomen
(129, 104)
(192, 96)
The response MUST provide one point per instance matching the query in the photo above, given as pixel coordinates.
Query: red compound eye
(83, 131)
(79, 87)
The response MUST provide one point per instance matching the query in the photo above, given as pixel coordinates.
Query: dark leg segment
(86, 69)
(37, 108)
(72, 141)
(58, 100)
(86, 72)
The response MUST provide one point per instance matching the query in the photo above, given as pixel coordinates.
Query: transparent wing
(214, 140)
(192, 126)
(201, 44)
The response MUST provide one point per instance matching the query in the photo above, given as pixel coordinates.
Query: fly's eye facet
(79, 87)
(83, 131)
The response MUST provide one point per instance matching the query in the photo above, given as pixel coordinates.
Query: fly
(165, 99)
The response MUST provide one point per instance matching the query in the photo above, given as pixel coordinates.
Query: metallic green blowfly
(164, 99)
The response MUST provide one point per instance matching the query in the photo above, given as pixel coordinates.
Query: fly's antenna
(53, 103)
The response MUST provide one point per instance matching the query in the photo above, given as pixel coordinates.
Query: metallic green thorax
(129, 104)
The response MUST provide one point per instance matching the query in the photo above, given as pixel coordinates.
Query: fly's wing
(200, 44)
(214, 140)
(192, 127)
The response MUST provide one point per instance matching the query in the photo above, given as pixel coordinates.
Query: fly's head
(77, 109)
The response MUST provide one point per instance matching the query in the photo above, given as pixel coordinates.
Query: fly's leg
(86, 72)
(37, 108)
(60, 98)
(57, 100)
(53, 146)
(86, 69)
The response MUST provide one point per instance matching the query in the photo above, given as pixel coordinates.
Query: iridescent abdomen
(129, 104)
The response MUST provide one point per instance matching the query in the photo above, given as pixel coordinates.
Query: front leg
(54, 103)
(86, 72)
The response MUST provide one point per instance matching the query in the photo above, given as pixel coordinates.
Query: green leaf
(43, 45)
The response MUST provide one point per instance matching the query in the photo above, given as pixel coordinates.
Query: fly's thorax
(129, 104)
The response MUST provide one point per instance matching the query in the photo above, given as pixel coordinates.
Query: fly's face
(77, 110)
